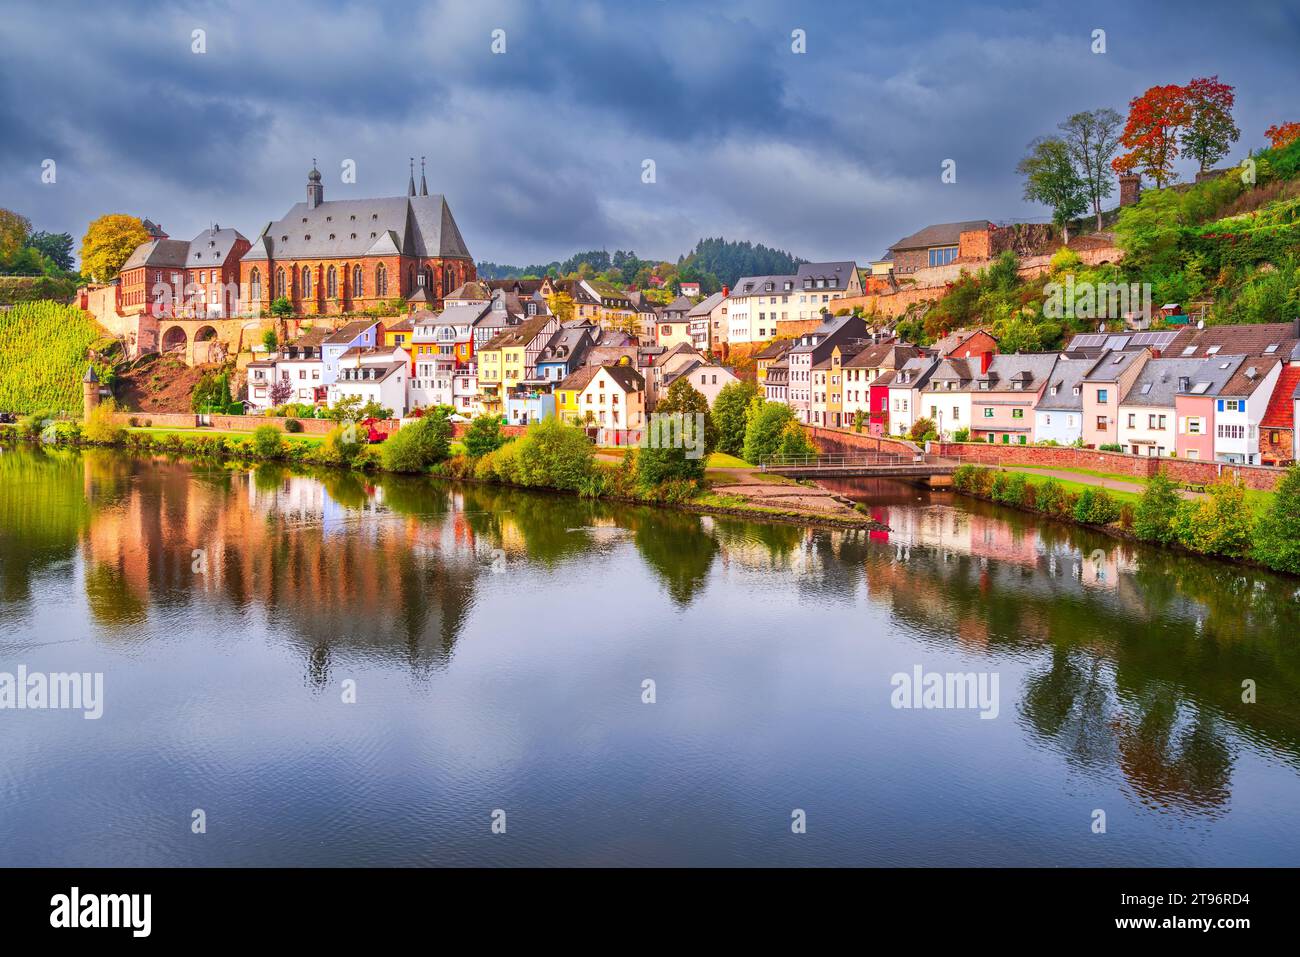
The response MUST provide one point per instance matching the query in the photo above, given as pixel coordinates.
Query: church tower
(315, 191)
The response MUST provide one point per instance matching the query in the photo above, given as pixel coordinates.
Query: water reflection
(1133, 658)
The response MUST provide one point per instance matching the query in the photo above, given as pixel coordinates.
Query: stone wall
(1115, 463)
(845, 442)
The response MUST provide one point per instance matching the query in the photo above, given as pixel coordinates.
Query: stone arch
(207, 348)
(175, 340)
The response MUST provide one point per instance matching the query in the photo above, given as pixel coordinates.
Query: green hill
(43, 349)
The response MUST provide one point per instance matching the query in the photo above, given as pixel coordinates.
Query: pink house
(1004, 395)
(1104, 387)
(1194, 406)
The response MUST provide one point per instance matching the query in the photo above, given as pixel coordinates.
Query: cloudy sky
(831, 153)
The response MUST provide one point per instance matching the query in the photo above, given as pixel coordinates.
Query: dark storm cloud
(833, 153)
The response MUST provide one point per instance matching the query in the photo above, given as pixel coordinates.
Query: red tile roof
(1281, 409)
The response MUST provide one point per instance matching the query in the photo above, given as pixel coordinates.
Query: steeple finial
(410, 186)
(315, 191)
(424, 187)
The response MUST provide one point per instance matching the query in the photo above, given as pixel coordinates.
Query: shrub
(1111, 447)
(31, 426)
(974, 480)
(1052, 499)
(292, 425)
(212, 394)
(483, 435)
(414, 447)
(1154, 517)
(1011, 490)
(961, 435)
(1095, 506)
(1277, 535)
(100, 428)
(920, 428)
(267, 442)
(553, 455)
(342, 444)
(1220, 523)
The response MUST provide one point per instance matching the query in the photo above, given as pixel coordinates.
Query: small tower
(89, 391)
(424, 187)
(410, 186)
(1130, 188)
(315, 191)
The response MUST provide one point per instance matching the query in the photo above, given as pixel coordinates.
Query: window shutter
(1220, 405)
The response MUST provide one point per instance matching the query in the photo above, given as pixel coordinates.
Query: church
(349, 255)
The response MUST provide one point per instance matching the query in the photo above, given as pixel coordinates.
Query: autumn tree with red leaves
(1283, 134)
(1151, 134)
(1210, 128)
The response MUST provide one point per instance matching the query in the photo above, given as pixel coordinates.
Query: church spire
(424, 187)
(410, 186)
(315, 191)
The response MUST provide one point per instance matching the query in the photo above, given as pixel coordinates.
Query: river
(330, 669)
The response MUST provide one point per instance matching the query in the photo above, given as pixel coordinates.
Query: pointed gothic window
(358, 283)
(306, 282)
(381, 280)
(279, 282)
(332, 283)
(255, 284)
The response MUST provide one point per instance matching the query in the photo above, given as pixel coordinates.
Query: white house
(904, 392)
(380, 375)
(707, 378)
(1239, 408)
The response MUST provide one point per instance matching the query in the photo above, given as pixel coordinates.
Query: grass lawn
(298, 437)
(721, 460)
(1259, 501)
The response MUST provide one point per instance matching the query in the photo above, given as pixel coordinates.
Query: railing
(862, 460)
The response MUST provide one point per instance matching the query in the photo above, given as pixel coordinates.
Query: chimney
(986, 358)
(1130, 189)
(727, 292)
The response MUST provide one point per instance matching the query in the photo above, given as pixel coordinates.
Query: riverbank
(1227, 521)
(726, 491)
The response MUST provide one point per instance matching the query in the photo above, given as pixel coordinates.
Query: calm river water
(334, 670)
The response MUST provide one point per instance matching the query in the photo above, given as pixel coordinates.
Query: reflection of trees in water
(677, 549)
(1071, 703)
(1173, 752)
(110, 599)
(43, 510)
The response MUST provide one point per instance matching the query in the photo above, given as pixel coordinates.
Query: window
(1017, 413)
(255, 284)
(279, 282)
(381, 280)
(358, 283)
(1132, 420)
(1103, 396)
(1101, 423)
(988, 412)
(942, 255)
(332, 283)
(306, 282)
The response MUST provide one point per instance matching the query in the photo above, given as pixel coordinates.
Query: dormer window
(331, 237)
(354, 235)
(353, 217)
(329, 219)
(304, 219)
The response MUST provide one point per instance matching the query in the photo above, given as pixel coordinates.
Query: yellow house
(611, 397)
(398, 335)
(510, 358)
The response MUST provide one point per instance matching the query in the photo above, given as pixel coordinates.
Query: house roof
(888, 355)
(949, 370)
(1110, 364)
(1251, 339)
(955, 340)
(837, 275)
(1212, 375)
(521, 334)
(706, 305)
(1281, 411)
(472, 290)
(567, 345)
(208, 248)
(1158, 382)
(940, 234)
(884, 379)
(677, 310)
(920, 369)
(755, 285)
(1030, 371)
(774, 349)
(1249, 376)
(1065, 377)
(349, 228)
(627, 378)
(346, 333)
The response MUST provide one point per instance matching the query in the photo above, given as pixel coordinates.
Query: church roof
(349, 228)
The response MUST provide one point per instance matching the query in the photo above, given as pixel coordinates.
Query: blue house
(361, 333)
(564, 353)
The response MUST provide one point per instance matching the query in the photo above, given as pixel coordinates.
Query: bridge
(861, 465)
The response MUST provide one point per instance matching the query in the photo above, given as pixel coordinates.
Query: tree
(1220, 523)
(483, 435)
(14, 230)
(270, 340)
(662, 461)
(1151, 133)
(561, 304)
(212, 394)
(1283, 134)
(57, 247)
(763, 434)
(108, 243)
(921, 428)
(1092, 138)
(280, 392)
(1153, 519)
(1050, 179)
(282, 307)
(729, 415)
(1277, 536)
(1210, 128)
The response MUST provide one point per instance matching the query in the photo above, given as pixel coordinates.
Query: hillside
(1226, 246)
(157, 384)
(43, 354)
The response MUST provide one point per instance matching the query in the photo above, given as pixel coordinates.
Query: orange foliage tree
(1283, 134)
(1151, 133)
